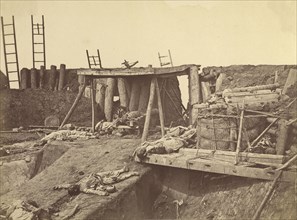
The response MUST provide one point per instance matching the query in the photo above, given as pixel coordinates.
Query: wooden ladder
(10, 54)
(165, 63)
(94, 61)
(38, 43)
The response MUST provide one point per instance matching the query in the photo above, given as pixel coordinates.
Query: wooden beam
(190, 162)
(93, 105)
(148, 111)
(75, 103)
(160, 108)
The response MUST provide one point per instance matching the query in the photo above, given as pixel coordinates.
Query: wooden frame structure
(149, 72)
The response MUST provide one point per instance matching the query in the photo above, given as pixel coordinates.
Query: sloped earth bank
(153, 194)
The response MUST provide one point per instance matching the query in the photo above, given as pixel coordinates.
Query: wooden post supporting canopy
(160, 108)
(149, 111)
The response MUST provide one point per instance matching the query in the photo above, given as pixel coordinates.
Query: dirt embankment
(251, 75)
(31, 107)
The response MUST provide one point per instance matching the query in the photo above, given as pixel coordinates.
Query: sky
(208, 33)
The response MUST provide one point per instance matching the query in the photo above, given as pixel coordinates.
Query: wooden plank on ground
(215, 166)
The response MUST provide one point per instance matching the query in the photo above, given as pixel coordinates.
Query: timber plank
(186, 162)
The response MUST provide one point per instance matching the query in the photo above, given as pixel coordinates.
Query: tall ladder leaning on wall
(38, 43)
(10, 54)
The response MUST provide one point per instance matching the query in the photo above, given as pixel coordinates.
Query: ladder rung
(9, 44)
(7, 24)
(38, 43)
(37, 34)
(11, 62)
(38, 61)
(12, 71)
(8, 34)
(38, 52)
(13, 80)
(10, 53)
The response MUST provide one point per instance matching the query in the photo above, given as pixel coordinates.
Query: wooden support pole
(41, 77)
(109, 92)
(24, 78)
(122, 92)
(75, 103)
(52, 77)
(283, 131)
(144, 95)
(239, 137)
(264, 132)
(135, 95)
(93, 104)
(149, 111)
(62, 77)
(195, 92)
(128, 89)
(33, 73)
(160, 108)
(267, 196)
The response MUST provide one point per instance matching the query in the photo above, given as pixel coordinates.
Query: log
(128, 89)
(75, 103)
(41, 77)
(25, 78)
(205, 90)
(149, 111)
(219, 82)
(144, 95)
(290, 83)
(33, 73)
(135, 95)
(122, 93)
(160, 108)
(109, 92)
(254, 88)
(195, 92)
(52, 77)
(93, 105)
(282, 137)
(100, 96)
(62, 77)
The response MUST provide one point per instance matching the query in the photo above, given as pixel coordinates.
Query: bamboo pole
(149, 111)
(108, 103)
(160, 108)
(75, 103)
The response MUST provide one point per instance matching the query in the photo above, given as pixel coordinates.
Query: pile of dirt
(250, 75)
(31, 107)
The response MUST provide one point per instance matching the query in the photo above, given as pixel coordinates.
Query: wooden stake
(160, 108)
(33, 74)
(24, 78)
(239, 136)
(267, 196)
(41, 77)
(78, 97)
(100, 96)
(52, 77)
(93, 104)
(148, 111)
(144, 95)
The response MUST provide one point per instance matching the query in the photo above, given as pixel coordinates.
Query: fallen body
(98, 183)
